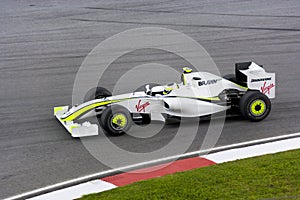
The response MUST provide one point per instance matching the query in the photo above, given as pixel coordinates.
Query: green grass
(267, 177)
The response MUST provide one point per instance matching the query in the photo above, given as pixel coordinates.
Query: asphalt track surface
(43, 43)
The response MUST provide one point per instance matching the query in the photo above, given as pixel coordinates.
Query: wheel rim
(118, 121)
(258, 107)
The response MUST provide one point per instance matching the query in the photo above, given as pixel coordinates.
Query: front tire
(255, 106)
(97, 93)
(116, 120)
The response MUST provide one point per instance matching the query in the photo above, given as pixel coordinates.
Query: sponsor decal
(208, 82)
(266, 89)
(141, 107)
(260, 79)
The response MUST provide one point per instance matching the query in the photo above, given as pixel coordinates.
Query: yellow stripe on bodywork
(210, 98)
(86, 109)
(183, 79)
(245, 88)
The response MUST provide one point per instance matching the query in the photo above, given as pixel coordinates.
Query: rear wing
(256, 78)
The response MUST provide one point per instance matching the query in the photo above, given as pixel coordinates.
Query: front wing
(75, 129)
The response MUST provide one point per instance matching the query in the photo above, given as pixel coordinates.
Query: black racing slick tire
(255, 106)
(97, 93)
(115, 120)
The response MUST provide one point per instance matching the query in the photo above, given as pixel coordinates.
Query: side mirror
(148, 91)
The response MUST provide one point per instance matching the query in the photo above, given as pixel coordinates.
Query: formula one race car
(199, 94)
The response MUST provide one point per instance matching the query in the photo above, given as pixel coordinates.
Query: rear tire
(116, 120)
(255, 106)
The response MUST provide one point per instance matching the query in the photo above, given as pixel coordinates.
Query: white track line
(252, 151)
(77, 191)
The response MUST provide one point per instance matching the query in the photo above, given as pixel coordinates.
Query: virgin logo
(266, 89)
(141, 107)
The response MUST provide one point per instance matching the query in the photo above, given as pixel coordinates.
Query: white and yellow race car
(199, 94)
